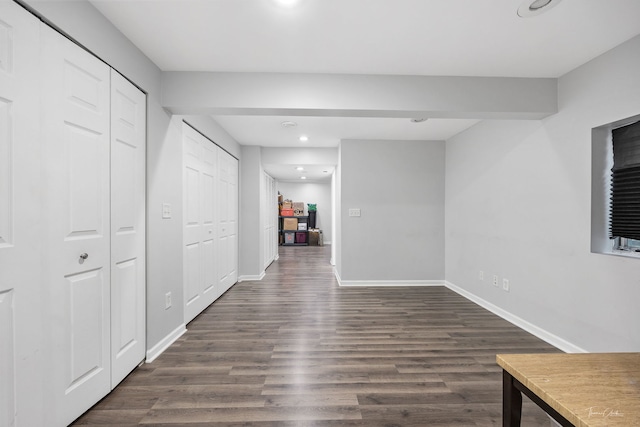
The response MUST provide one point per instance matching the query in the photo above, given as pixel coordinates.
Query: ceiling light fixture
(286, 3)
(304, 138)
(303, 177)
(288, 124)
(530, 8)
(299, 168)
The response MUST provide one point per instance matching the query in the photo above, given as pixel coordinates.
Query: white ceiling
(415, 37)
(399, 37)
(268, 131)
(288, 172)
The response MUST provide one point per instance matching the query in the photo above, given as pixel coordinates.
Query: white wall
(399, 187)
(312, 192)
(251, 226)
(350, 95)
(518, 205)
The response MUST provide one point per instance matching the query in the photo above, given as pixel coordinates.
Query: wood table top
(588, 389)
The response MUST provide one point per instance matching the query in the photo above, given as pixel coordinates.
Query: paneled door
(20, 210)
(200, 157)
(75, 129)
(128, 129)
(269, 218)
(227, 220)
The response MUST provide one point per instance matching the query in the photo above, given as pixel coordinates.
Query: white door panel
(199, 234)
(21, 348)
(208, 268)
(223, 225)
(228, 220)
(269, 218)
(75, 99)
(55, 331)
(192, 276)
(233, 219)
(128, 276)
(7, 359)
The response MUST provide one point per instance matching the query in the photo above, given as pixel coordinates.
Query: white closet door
(20, 213)
(269, 218)
(75, 133)
(227, 220)
(200, 163)
(128, 130)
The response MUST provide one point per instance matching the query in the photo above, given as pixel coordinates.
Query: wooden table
(592, 389)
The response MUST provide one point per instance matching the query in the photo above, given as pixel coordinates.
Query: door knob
(84, 256)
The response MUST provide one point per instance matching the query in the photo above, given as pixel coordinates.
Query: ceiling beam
(350, 95)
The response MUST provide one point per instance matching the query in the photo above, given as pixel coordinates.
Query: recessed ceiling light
(419, 120)
(530, 8)
(303, 177)
(288, 124)
(286, 3)
(325, 171)
(299, 168)
(304, 138)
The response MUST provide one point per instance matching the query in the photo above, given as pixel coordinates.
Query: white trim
(158, 349)
(391, 283)
(544, 335)
(247, 278)
(335, 273)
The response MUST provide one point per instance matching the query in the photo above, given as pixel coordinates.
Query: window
(615, 188)
(624, 208)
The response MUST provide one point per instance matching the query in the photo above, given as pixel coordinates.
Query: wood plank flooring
(296, 350)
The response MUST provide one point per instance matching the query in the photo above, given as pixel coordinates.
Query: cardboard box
(298, 208)
(302, 226)
(280, 198)
(287, 205)
(313, 237)
(290, 224)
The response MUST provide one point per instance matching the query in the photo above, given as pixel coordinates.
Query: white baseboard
(544, 335)
(246, 278)
(156, 350)
(392, 283)
(335, 273)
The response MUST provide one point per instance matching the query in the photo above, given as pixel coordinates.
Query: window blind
(625, 183)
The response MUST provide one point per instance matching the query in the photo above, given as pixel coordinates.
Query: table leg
(511, 402)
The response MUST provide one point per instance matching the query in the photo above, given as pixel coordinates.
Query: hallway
(296, 350)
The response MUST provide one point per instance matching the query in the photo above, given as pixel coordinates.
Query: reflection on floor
(296, 350)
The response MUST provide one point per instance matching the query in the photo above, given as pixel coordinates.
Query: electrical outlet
(505, 284)
(481, 275)
(495, 280)
(354, 212)
(167, 300)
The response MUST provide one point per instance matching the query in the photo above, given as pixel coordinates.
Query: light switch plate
(166, 211)
(354, 212)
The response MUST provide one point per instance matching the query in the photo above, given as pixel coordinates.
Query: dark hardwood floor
(296, 350)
